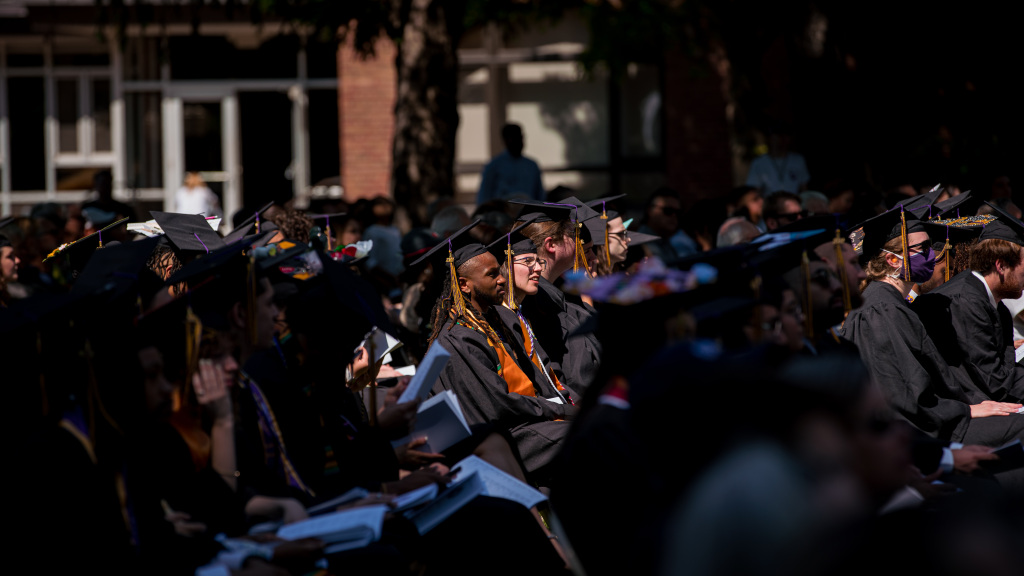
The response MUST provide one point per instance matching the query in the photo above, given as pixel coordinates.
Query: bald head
(735, 231)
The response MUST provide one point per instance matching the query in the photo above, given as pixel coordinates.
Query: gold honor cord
(903, 243)
(837, 243)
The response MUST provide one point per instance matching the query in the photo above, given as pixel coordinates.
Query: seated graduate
(896, 348)
(966, 318)
(952, 252)
(563, 235)
(828, 284)
(521, 268)
(489, 370)
(611, 240)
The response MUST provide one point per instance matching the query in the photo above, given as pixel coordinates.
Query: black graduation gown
(975, 339)
(511, 321)
(554, 317)
(537, 425)
(904, 361)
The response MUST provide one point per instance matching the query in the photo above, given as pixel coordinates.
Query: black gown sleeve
(483, 394)
(905, 363)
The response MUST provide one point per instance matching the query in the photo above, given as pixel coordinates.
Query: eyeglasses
(621, 235)
(531, 262)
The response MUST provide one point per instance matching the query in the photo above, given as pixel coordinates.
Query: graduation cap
(327, 223)
(188, 232)
(601, 237)
(252, 224)
(879, 230)
(267, 231)
(639, 238)
(570, 209)
(1004, 227)
(829, 223)
(961, 205)
(508, 246)
(921, 205)
(461, 249)
(77, 254)
(116, 269)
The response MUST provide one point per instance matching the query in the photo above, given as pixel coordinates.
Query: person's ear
(550, 245)
(892, 260)
(238, 316)
(465, 286)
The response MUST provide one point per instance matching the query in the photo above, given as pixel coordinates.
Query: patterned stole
(274, 453)
(530, 342)
(516, 380)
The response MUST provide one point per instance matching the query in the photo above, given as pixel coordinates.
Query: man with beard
(968, 321)
(829, 285)
(489, 370)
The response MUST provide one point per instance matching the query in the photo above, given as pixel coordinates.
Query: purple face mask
(922, 265)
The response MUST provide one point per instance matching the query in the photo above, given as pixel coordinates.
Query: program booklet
(440, 421)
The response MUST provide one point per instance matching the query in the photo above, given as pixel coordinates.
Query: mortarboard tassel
(581, 258)
(903, 242)
(257, 222)
(510, 299)
(837, 243)
(101, 240)
(805, 265)
(458, 303)
(607, 250)
(328, 230)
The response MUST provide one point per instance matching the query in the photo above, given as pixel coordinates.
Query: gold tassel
(805, 265)
(581, 258)
(903, 242)
(510, 299)
(837, 243)
(458, 303)
(949, 261)
(607, 249)
(328, 230)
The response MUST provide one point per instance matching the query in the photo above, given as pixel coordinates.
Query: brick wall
(366, 101)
